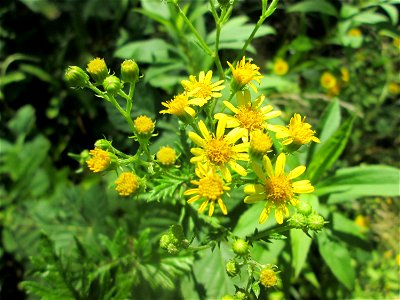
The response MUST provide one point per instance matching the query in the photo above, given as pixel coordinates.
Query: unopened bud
(315, 222)
(97, 68)
(240, 247)
(112, 84)
(304, 208)
(76, 77)
(232, 268)
(165, 241)
(298, 221)
(129, 71)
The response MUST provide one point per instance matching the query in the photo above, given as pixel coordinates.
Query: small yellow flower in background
(268, 277)
(210, 188)
(396, 42)
(297, 132)
(97, 68)
(99, 161)
(249, 116)
(244, 73)
(219, 150)
(361, 221)
(143, 125)
(345, 74)
(260, 143)
(179, 106)
(327, 80)
(203, 89)
(126, 184)
(281, 67)
(354, 32)
(166, 156)
(277, 188)
(394, 88)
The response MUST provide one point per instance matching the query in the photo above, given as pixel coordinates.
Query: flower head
(203, 89)
(394, 88)
(277, 188)
(298, 132)
(219, 150)
(268, 277)
(210, 188)
(180, 107)
(126, 184)
(143, 125)
(354, 32)
(166, 156)
(249, 116)
(76, 77)
(99, 160)
(260, 143)
(244, 73)
(97, 68)
(130, 71)
(281, 67)
(327, 80)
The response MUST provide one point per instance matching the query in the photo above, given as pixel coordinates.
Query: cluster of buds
(174, 240)
(98, 71)
(306, 219)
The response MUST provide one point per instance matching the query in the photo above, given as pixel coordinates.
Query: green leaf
(369, 17)
(256, 289)
(148, 51)
(327, 125)
(23, 121)
(348, 11)
(38, 72)
(375, 180)
(311, 6)
(338, 259)
(347, 226)
(300, 244)
(392, 11)
(329, 151)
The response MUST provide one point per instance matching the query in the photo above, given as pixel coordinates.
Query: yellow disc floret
(144, 125)
(268, 277)
(166, 156)
(279, 189)
(250, 118)
(218, 151)
(260, 142)
(97, 68)
(211, 187)
(126, 184)
(99, 160)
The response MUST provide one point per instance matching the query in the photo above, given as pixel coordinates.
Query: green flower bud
(97, 68)
(172, 249)
(76, 77)
(112, 84)
(304, 208)
(165, 241)
(102, 144)
(227, 297)
(240, 247)
(298, 221)
(240, 295)
(315, 222)
(232, 268)
(185, 244)
(129, 71)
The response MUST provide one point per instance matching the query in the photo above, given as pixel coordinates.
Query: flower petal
(268, 166)
(254, 198)
(191, 192)
(259, 172)
(280, 165)
(237, 168)
(211, 210)
(234, 135)
(264, 214)
(195, 138)
(231, 107)
(296, 172)
(302, 187)
(193, 199)
(222, 206)
(254, 189)
(221, 128)
(226, 174)
(204, 131)
(278, 215)
(203, 206)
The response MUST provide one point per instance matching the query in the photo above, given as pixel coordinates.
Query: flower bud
(185, 244)
(240, 247)
(129, 71)
(232, 268)
(164, 241)
(304, 208)
(228, 297)
(241, 295)
(102, 144)
(172, 249)
(144, 126)
(112, 84)
(76, 77)
(97, 68)
(315, 222)
(298, 221)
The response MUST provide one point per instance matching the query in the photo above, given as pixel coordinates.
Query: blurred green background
(45, 200)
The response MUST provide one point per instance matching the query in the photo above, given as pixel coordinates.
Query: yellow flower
(268, 277)
(97, 68)
(144, 125)
(203, 90)
(297, 132)
(179, 106)
(281, 67)
(99, 161)
(355, 32)
(334, 91)
(210, 188)
(126, 184)
(394, 88)
(219, 150)
(327, 80)
(345, 74)
(277, 188)
(260, 143)
(166, 156)
(249, 116)
(244, 73)
(361, 221)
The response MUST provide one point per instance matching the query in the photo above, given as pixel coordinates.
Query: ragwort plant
(232, 153)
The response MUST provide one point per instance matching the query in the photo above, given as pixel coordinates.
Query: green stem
(268, 232)
(126, 116)
(215, 55)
